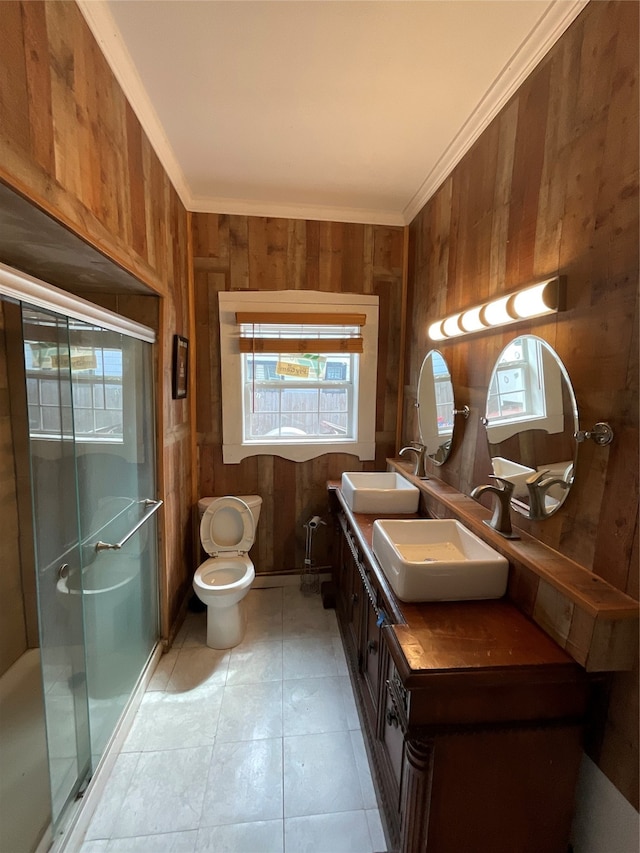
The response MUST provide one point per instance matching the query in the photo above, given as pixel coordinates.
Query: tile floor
(253, 750)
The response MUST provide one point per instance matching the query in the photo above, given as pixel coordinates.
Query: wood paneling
(552, 186)
(71, 144)
(234, 252)
(13, 629)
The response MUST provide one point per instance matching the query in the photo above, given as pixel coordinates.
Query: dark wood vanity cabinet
(472, 715)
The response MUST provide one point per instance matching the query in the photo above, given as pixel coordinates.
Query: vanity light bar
(545, 297)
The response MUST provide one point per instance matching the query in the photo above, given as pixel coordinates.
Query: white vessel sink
(437, 560)
(514, 473)
(379, 491)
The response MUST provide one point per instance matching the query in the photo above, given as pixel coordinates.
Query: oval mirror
(436, 409)
(531, 420)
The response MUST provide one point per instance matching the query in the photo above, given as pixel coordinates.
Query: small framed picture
(180, 367)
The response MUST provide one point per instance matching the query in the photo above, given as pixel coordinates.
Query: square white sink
(379, 491)
(428, 559)
(514, 473)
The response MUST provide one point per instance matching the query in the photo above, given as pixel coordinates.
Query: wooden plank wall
(552, 185)
(70, 142)
(13, 628)
(237, 252)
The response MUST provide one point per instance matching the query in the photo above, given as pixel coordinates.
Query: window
(525, 392)
(96, 383)
(298, 374)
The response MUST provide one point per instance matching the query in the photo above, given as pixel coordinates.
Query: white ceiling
(346, 110)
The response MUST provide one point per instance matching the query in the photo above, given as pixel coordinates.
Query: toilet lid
(227, 527)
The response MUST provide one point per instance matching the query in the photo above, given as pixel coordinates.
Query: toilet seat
(227, 527)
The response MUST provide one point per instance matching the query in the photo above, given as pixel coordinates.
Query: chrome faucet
(419, 450)
(501, 519)
(538, 487)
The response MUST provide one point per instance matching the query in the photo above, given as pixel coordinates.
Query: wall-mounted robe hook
(601, 433)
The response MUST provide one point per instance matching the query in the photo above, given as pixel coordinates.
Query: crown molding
(100, 21)
(322, 213)
(533, 48)
(531, 51)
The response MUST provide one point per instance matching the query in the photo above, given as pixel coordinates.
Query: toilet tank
(254, 502)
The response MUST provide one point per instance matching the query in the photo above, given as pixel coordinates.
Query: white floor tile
(175, 720)
(198, 667)
(107, 811)
(196, 634)
(263, 601)
(353, 718)
(338, 651)
(378, 841)
(165, 794)
(245, 783)
(320, 775)
(313, 706)
(97, 846)
(364, 772)
(170, 842)
(264, 836)
(263, 609)
(345, 832)
(251, 712)
(226, 743)
(183, 631)
(163, 670)
(255, 662)
(306, 618)
(308, 657)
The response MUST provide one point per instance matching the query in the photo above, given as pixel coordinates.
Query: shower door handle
(153, 507)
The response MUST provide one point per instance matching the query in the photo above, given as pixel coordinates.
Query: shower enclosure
(86, 406)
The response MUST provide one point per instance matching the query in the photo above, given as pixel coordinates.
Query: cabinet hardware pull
(354, 598)
(372, 647)
(392, 718)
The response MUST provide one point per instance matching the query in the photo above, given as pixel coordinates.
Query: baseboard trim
(267, 580)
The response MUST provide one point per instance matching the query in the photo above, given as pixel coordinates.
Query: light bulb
(450, 326)
(471, 320)
(495, 313)
(435, 331)
(531, 302)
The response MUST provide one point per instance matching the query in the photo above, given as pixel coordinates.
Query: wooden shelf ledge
(593, 621)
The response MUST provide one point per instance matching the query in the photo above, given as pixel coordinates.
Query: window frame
(542, 389)
(234, 446)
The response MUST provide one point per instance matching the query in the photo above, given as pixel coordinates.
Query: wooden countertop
(459, 636)
(595, 623)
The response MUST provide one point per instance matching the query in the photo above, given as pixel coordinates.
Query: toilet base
(225, 626)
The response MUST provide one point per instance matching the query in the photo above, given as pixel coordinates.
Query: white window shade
(257, 328)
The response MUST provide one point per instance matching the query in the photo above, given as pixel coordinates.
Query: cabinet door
(342, 578)
(350, 601)
(370, 652)
(355, 605)
(392, 737)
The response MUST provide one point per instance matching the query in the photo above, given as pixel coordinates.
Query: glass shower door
(92, 459)
(58, 560)
(113, 406)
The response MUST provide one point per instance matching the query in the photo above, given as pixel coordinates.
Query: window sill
(298, 452)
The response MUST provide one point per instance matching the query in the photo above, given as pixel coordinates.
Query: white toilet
(227, 531)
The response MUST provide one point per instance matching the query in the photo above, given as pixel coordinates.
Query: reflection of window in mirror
(525, 391)
(444, 395)
(436, 407)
